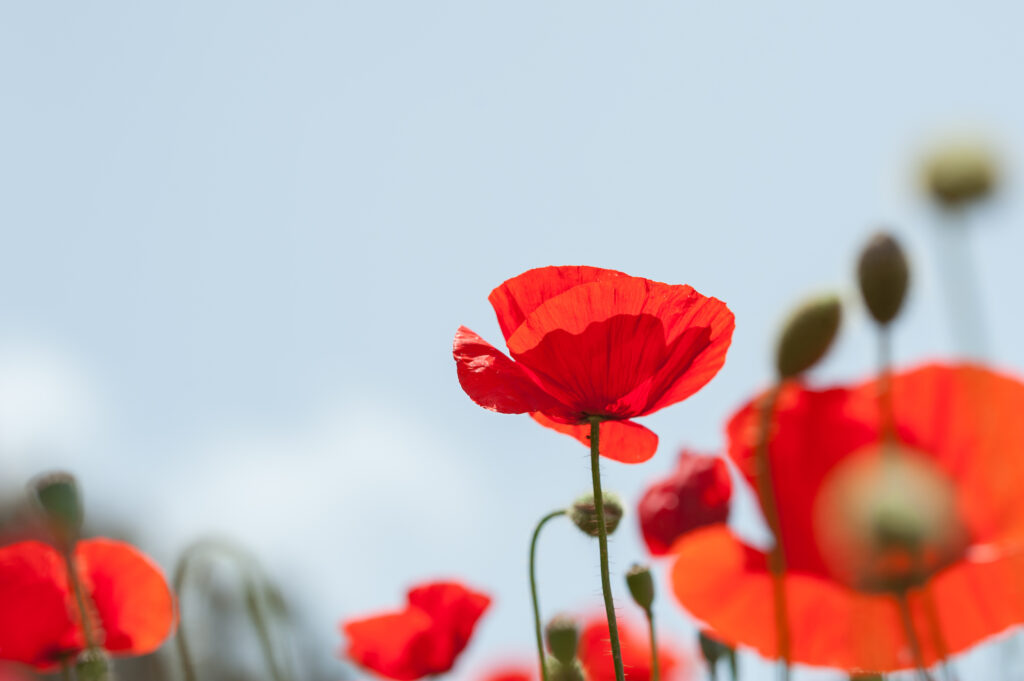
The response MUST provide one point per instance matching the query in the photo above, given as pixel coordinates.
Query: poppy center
(887, 519)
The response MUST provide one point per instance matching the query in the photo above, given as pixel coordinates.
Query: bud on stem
(883, 275)
(807, 335)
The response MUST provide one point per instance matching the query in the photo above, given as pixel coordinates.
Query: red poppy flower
(592, 342)
(134, 609)
(595, 652)
(966, 422)
(512, 673)
(423, 639)
(695, 494)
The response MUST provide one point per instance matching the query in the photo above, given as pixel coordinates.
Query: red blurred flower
(516, 672)
(134, 610)
(695, 494)
(595, 653)
(966, 422)
(593, 342)
(424, 638)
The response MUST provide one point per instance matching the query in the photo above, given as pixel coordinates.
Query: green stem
(655, 667)
(533, 590)
(602, 542)
(80, 599)
(254, 602)
(912, 639)
(776, 558)
(65, 670)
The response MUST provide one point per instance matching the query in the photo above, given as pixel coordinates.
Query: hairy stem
(602, 541)
(533, 590)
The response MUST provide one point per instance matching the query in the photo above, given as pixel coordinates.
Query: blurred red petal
(132, 598)
(695, 494)
(624, 441)
(392, 645)
(595, 652)
(36, 621)
(727, 585)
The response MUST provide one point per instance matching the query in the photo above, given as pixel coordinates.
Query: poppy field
(466, 342)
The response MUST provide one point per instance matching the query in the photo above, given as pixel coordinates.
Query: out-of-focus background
(238, 238)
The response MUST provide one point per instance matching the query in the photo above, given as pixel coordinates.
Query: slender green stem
(65, 670)
(912, 639)
(602, 542)
(254, 601)
(533, 590)
(655, 667)
(84, 611)
(776, 558)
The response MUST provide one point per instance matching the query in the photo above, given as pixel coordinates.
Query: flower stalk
(602, 541)
(533, 590)
(912, 639)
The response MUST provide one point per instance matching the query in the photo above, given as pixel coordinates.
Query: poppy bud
(562, 636)
(58, 498)
(565, 671)
(641, 585)
(887, 519)
(93, 665)
(883, 274)
(807, 335)
(959, 173)
(584, 513)
(713, 650)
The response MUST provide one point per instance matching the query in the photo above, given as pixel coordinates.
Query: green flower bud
(565, 671)
(961, 172)
(641, 585)
(714, 650)
(584, 513)
(562, 635)
(807, 335)
(883, 275)
(93, 665)
(58, 498)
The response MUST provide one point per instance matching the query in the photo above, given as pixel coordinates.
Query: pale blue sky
(239, 236)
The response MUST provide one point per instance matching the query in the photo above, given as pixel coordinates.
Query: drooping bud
(961, 172)
(584, 513)
(563, 636)
(883, 274)
(641, 585)
(886, 519)
(565, 671)
(58, 499)
(714, 650)
(807, 335)
(93, 665)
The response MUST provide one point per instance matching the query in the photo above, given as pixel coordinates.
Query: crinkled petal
(624, 441)
(624, 347)
(133, 601)
(37, 625)
(514, 300)
(727, 585)
(494, 381)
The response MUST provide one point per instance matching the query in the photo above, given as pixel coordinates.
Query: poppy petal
(392, 644)
(36, 624)
(624, 441)
(494, 381)
(623, 347)
(727, 585)
(455, 611)
(595, 652)
(133, 601)
(515, 299)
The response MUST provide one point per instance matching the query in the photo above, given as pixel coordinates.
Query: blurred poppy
(964, 425)
(511, 673)
(133, 610)
(592, 342)
(595, 653)
(695, 494)
(423, 639)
